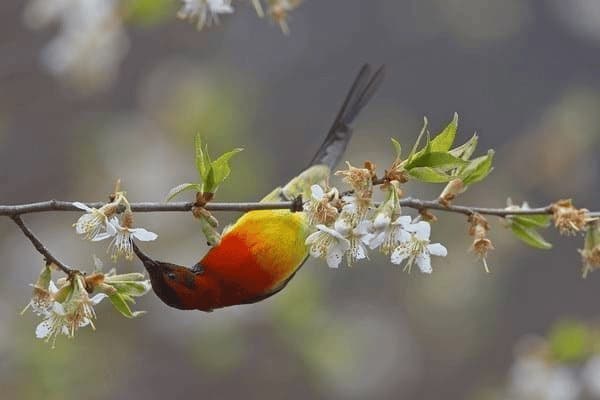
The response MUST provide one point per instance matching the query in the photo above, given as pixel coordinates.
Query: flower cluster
(352, 225)
(206, 12)
(103, 223)
(66, 306)
(90, 44)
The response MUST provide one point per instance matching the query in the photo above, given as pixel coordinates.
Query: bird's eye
(171, 276)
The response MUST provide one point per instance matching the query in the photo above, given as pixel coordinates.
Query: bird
(263, 250)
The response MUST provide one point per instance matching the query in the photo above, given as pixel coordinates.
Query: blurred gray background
(524, 74)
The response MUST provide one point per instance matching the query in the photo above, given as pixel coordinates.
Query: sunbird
(262, 251)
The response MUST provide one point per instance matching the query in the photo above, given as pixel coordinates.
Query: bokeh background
(524, 74)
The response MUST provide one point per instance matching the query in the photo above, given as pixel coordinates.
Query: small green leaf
(533, 221)
(477, 169)
(118, 301)
(133, 289)
(201, 165)
(398, 148)
(416, 146)
(444, 140)
(529, 236)
(221, 166)
(440, 160)
(429, 175)
(182, 188)
(466, 150)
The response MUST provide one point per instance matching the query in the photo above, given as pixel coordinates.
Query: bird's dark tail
(332, 149)
(364, 87)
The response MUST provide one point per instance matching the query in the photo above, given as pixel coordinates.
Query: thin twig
(55, 205)
(39, 246)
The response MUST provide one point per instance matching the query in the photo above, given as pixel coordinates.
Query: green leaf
(221, 166)
(429, 175)
(440, 160)
(416, 146)
(118, 301)
(133, 289)
(533, 221)
(477, 169)
(177, 190)
(444, 140)
(466, 150)
(200, 157)
(529, 236)
(398, 148)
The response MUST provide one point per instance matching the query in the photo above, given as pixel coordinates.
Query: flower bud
(452, 189)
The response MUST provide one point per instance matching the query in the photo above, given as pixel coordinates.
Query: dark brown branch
(55, 205)
(39, 246)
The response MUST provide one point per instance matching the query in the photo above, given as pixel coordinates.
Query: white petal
(143, 235)
(403, 220)
(43, 329)
(342, 227)
(81, 206)
(399, 255)
(402, 236)
(334, 257)
(101, 236)
(360, 252)
(377, 240)
(332, 232)
(437, 250)
(317, 192)
(312, 238)
(58, 308)
(363, 228)
(52, 287)
(367, 238)
(424, 263)
(98, 298)
(381, 221)
(112, 226)
(421, 229)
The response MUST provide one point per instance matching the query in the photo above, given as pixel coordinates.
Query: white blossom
(532, 378)
(318, 209)
(206, 12)
(64, 318)
(91, 41)
(122, 242)
(42, 300)
(418, 248)
(591, 376)
(358, 235)
(329, 244)
(95, 222)
(389, 235)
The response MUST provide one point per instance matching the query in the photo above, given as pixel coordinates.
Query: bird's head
(177, 286)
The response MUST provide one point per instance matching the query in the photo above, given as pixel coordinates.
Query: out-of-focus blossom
(418, 248)
(204, 12)
(279, 10)
(590, 254)
(534, 378)
(329, 244)
(591, 376)
(91, 42)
